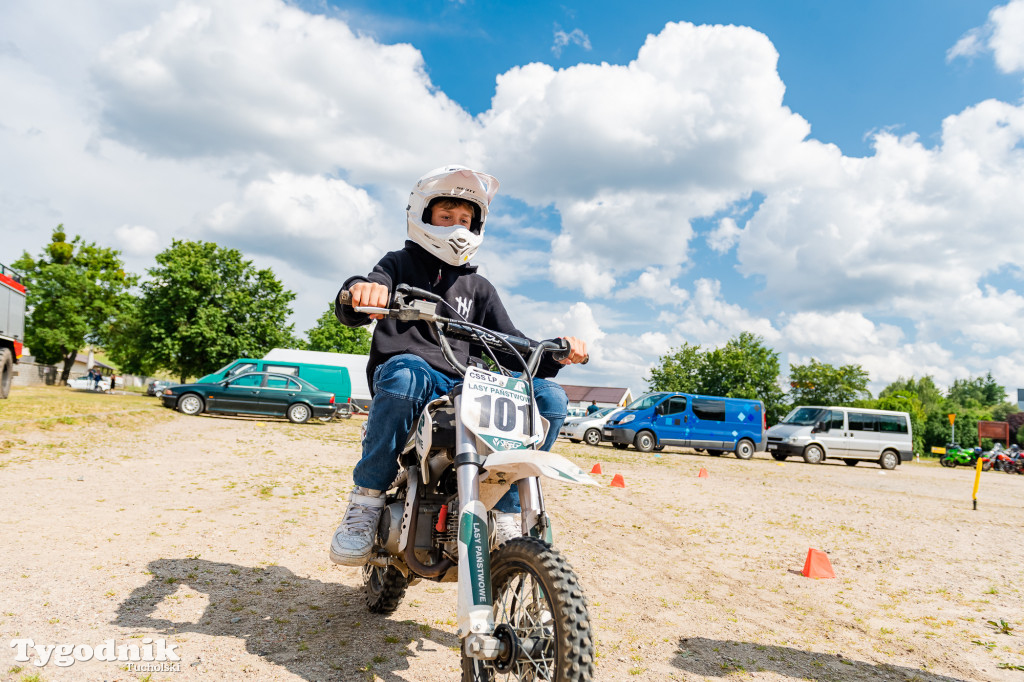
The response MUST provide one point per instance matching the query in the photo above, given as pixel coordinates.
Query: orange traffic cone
(703, 473)
(618, 481)
(817, 565)
(596, 469)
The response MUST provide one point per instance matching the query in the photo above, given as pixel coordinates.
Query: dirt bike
(521, 612)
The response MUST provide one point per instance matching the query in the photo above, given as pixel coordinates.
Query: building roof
(601, 394)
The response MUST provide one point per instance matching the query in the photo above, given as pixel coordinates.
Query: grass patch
(57, 407)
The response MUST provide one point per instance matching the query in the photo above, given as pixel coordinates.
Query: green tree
(924, 388)
(743, 368)
(682, 369)
(204, 306)
(819, 383)
(332, 336)
(75, 290)
(977, 392)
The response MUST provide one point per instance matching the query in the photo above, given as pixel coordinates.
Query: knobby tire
(528, 569)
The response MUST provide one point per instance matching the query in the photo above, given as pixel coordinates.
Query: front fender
(503, 468)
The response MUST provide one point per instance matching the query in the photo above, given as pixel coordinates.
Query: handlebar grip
(345, 297)
(563, 351)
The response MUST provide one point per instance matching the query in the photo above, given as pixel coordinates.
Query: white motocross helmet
(454, 245)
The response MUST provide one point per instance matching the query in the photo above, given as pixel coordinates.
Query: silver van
(851, 434)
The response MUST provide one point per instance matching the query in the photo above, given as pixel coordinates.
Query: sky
(842, 179)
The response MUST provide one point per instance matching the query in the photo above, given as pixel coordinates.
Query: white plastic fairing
(504, 468)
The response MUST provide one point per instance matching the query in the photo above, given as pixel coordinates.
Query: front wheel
(620, 446)
(744, 449)
(813, 454)
(299, 413)
(851, 462)
(592, 437)
(541, 613)
(644, 441)
(190, 404)
(779, 457)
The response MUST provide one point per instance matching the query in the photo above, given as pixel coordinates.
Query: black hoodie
(461, 287)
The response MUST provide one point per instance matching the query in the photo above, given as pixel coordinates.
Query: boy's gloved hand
(371, 295)
(577, 351)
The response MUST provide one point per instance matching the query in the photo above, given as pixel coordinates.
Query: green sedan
(259, 393)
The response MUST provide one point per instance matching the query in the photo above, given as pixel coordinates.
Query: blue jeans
(402, 386)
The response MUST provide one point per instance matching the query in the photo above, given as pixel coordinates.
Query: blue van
(703, 422)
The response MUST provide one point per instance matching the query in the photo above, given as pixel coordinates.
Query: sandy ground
(211, 533)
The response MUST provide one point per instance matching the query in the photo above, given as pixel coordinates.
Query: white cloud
(1002, 34)
(573, 37)
(628, 177)
(655, 285)
(725, 236)
(314, 223)
(272, 86)
(838, 333)
(138, 240)
(904, 227)
(708, 319)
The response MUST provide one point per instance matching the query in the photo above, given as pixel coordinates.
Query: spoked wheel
(384, 588)
(540, 613)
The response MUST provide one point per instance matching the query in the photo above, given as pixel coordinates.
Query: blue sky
(840, 178)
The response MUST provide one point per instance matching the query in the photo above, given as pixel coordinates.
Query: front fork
(476, 600)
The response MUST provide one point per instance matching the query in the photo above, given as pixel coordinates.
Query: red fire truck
(12, 325)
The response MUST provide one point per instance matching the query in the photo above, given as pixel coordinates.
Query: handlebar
(413, 304)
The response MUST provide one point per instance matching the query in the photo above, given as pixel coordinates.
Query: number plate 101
(496, 408)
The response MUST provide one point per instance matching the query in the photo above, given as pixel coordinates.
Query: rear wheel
(813, 454)
(384, 588)
(778, 456)
(715, 453)
(644, 441)
(659, 447)
(592, 437)
(620, 446)
(851, 462)
(540, 612)
(190, 404)
(888, 460)
(6, 371)
(299, 413)
(744, 449)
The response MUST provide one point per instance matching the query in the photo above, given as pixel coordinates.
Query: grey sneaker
(506, 526)
(353, 541)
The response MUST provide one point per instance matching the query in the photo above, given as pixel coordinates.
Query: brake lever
(417, 310)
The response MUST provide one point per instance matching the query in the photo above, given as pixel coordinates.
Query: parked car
(711, 423)
(258, 393)
(587, 428)
(157, 386)
(852, 434)
(84, 383)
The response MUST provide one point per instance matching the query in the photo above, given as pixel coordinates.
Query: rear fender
(504, 467)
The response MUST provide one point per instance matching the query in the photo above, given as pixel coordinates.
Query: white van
(851, 434)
